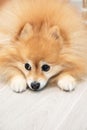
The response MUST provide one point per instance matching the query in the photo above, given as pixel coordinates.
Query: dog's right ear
(26, 33)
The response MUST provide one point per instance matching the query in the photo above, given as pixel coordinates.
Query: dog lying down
(40, 42)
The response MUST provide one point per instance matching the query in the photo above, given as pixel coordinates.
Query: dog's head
(37, 54)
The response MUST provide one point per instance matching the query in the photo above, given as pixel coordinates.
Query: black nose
(35, 85)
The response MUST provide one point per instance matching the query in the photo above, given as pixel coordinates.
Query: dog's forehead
(39, 49)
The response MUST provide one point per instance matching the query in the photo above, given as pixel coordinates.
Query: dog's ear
(54, 32)
(26, 32)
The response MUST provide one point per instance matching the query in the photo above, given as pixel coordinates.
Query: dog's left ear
(54, 32)
(26, 32)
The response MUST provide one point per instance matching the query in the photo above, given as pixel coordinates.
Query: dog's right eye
(27, 66)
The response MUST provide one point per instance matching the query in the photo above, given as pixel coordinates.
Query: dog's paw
(67, 83)
(18, 84)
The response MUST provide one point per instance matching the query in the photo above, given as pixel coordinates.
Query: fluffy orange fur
(58, 36)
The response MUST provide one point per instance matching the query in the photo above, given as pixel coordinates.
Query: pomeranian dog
(41, 41)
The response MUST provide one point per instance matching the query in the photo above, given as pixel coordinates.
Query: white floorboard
(50, 109)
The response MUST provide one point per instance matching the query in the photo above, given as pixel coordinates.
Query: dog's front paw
(67, 83)
(18, 84)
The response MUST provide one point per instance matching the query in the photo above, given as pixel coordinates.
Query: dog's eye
(27, 66)
(45, 68)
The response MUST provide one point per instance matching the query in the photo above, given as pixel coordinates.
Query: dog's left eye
(45, 68)
(27, 66)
